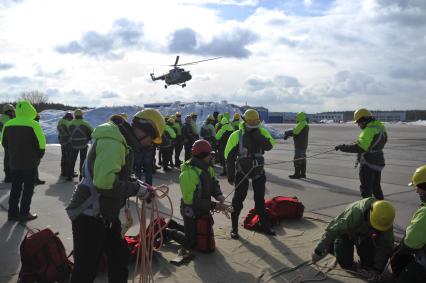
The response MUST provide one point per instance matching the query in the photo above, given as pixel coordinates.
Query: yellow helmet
(124, 115)
(382, 214)
(211, 118)
(419, 176)
(237, 116)
(251, 118)
(8, 107)
(78, 112)
(178, 114)
(171, 120)
(361, 113)
(156, 119)
(193, 114)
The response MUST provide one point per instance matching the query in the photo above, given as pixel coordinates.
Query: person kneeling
(198, 184)
(366, 224)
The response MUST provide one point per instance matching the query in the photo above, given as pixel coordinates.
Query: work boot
(267, 231)
(75, 174)
(295, 176)
(13, 218)
(234, 234)
(69, 178)
(303, 169)
(39, 182)
(167, 168)
(28, 217)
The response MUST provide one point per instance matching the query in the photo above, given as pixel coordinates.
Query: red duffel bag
(286, 207)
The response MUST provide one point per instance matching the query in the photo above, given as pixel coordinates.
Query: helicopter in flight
(178, 76)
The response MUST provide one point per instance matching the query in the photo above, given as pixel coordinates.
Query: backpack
(205, 235)
(43, 258)
(286, 207)
(252, 220)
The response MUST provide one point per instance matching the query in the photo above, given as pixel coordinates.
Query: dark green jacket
(80, 132)
(23, 138)
(63, 131)
(111, 162)
(354, 222)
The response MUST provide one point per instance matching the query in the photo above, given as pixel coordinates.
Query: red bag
(205, 234)
(133, 241)
(286, 207)
(252, 220)
(43, 258)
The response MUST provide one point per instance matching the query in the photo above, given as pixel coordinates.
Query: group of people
(107, 180)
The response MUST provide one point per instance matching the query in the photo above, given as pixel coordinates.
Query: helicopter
(178, 76)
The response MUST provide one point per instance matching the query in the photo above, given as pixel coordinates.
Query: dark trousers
(22, 183)
(188, 148)
(167, 155)
(73, 159)
(240, 194)
(91, 238)
(300, 165)
(178, 149)
(145, 160)
(186, 236)
(344, 251)
(222, 145)
(6, 168)
(65, 157)
(413, 273)
(370, 182)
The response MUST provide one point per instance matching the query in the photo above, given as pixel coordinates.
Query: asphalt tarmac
(331, 184)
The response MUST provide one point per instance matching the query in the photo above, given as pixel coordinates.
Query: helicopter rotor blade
(196, 62)
(176, 62)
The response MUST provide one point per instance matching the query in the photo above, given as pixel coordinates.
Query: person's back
(24, 141)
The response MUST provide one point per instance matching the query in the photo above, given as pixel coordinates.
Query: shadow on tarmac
(331, 187)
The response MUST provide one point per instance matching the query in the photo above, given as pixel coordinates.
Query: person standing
(97, 200)
(369, 148)
(236, 121)
(244, 159)
(413, 245)
(64, 139)
(8, 113)
(166, 147)
(24, 140)
(207, 131)
(300, 135)
(189, 136)
(37, 180)
(177, 126)
(222, 137)
(80, 133)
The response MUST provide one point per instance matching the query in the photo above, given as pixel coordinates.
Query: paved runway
(332, 183)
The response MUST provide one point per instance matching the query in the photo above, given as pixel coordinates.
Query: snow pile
(418, 123)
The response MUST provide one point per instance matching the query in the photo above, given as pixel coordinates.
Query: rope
(273, 163)
(147, 239)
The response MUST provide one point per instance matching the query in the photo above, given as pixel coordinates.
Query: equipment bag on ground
(252, 220)
(205, 234)
(286, 207)
(43, 258)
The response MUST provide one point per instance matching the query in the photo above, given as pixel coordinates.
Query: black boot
(267, 231)
(296, 174)
(234, 231)
(303, 169)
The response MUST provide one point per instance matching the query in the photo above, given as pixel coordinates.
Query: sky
(285, 55)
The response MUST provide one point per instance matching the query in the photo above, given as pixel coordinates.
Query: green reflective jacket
(367, 135)
(301, 123)
(170, 131)
(178, 128)
(226, 127)
(354, 222)
(415, 235)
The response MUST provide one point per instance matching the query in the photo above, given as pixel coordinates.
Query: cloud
(6, 66)
(42, 73)
(411, 71)
(124, 34)
(232, 43)
(402, 12)
(109, 94)
(15, 80)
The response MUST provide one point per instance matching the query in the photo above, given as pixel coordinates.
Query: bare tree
(35, 97)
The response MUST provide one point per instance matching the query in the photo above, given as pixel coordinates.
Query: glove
(221, 199)
(145, 192)
(338, 147)
(317, 256)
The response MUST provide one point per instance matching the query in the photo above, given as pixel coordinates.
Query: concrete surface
(332, 183)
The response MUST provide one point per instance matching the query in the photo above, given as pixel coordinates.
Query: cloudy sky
(286, 55)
